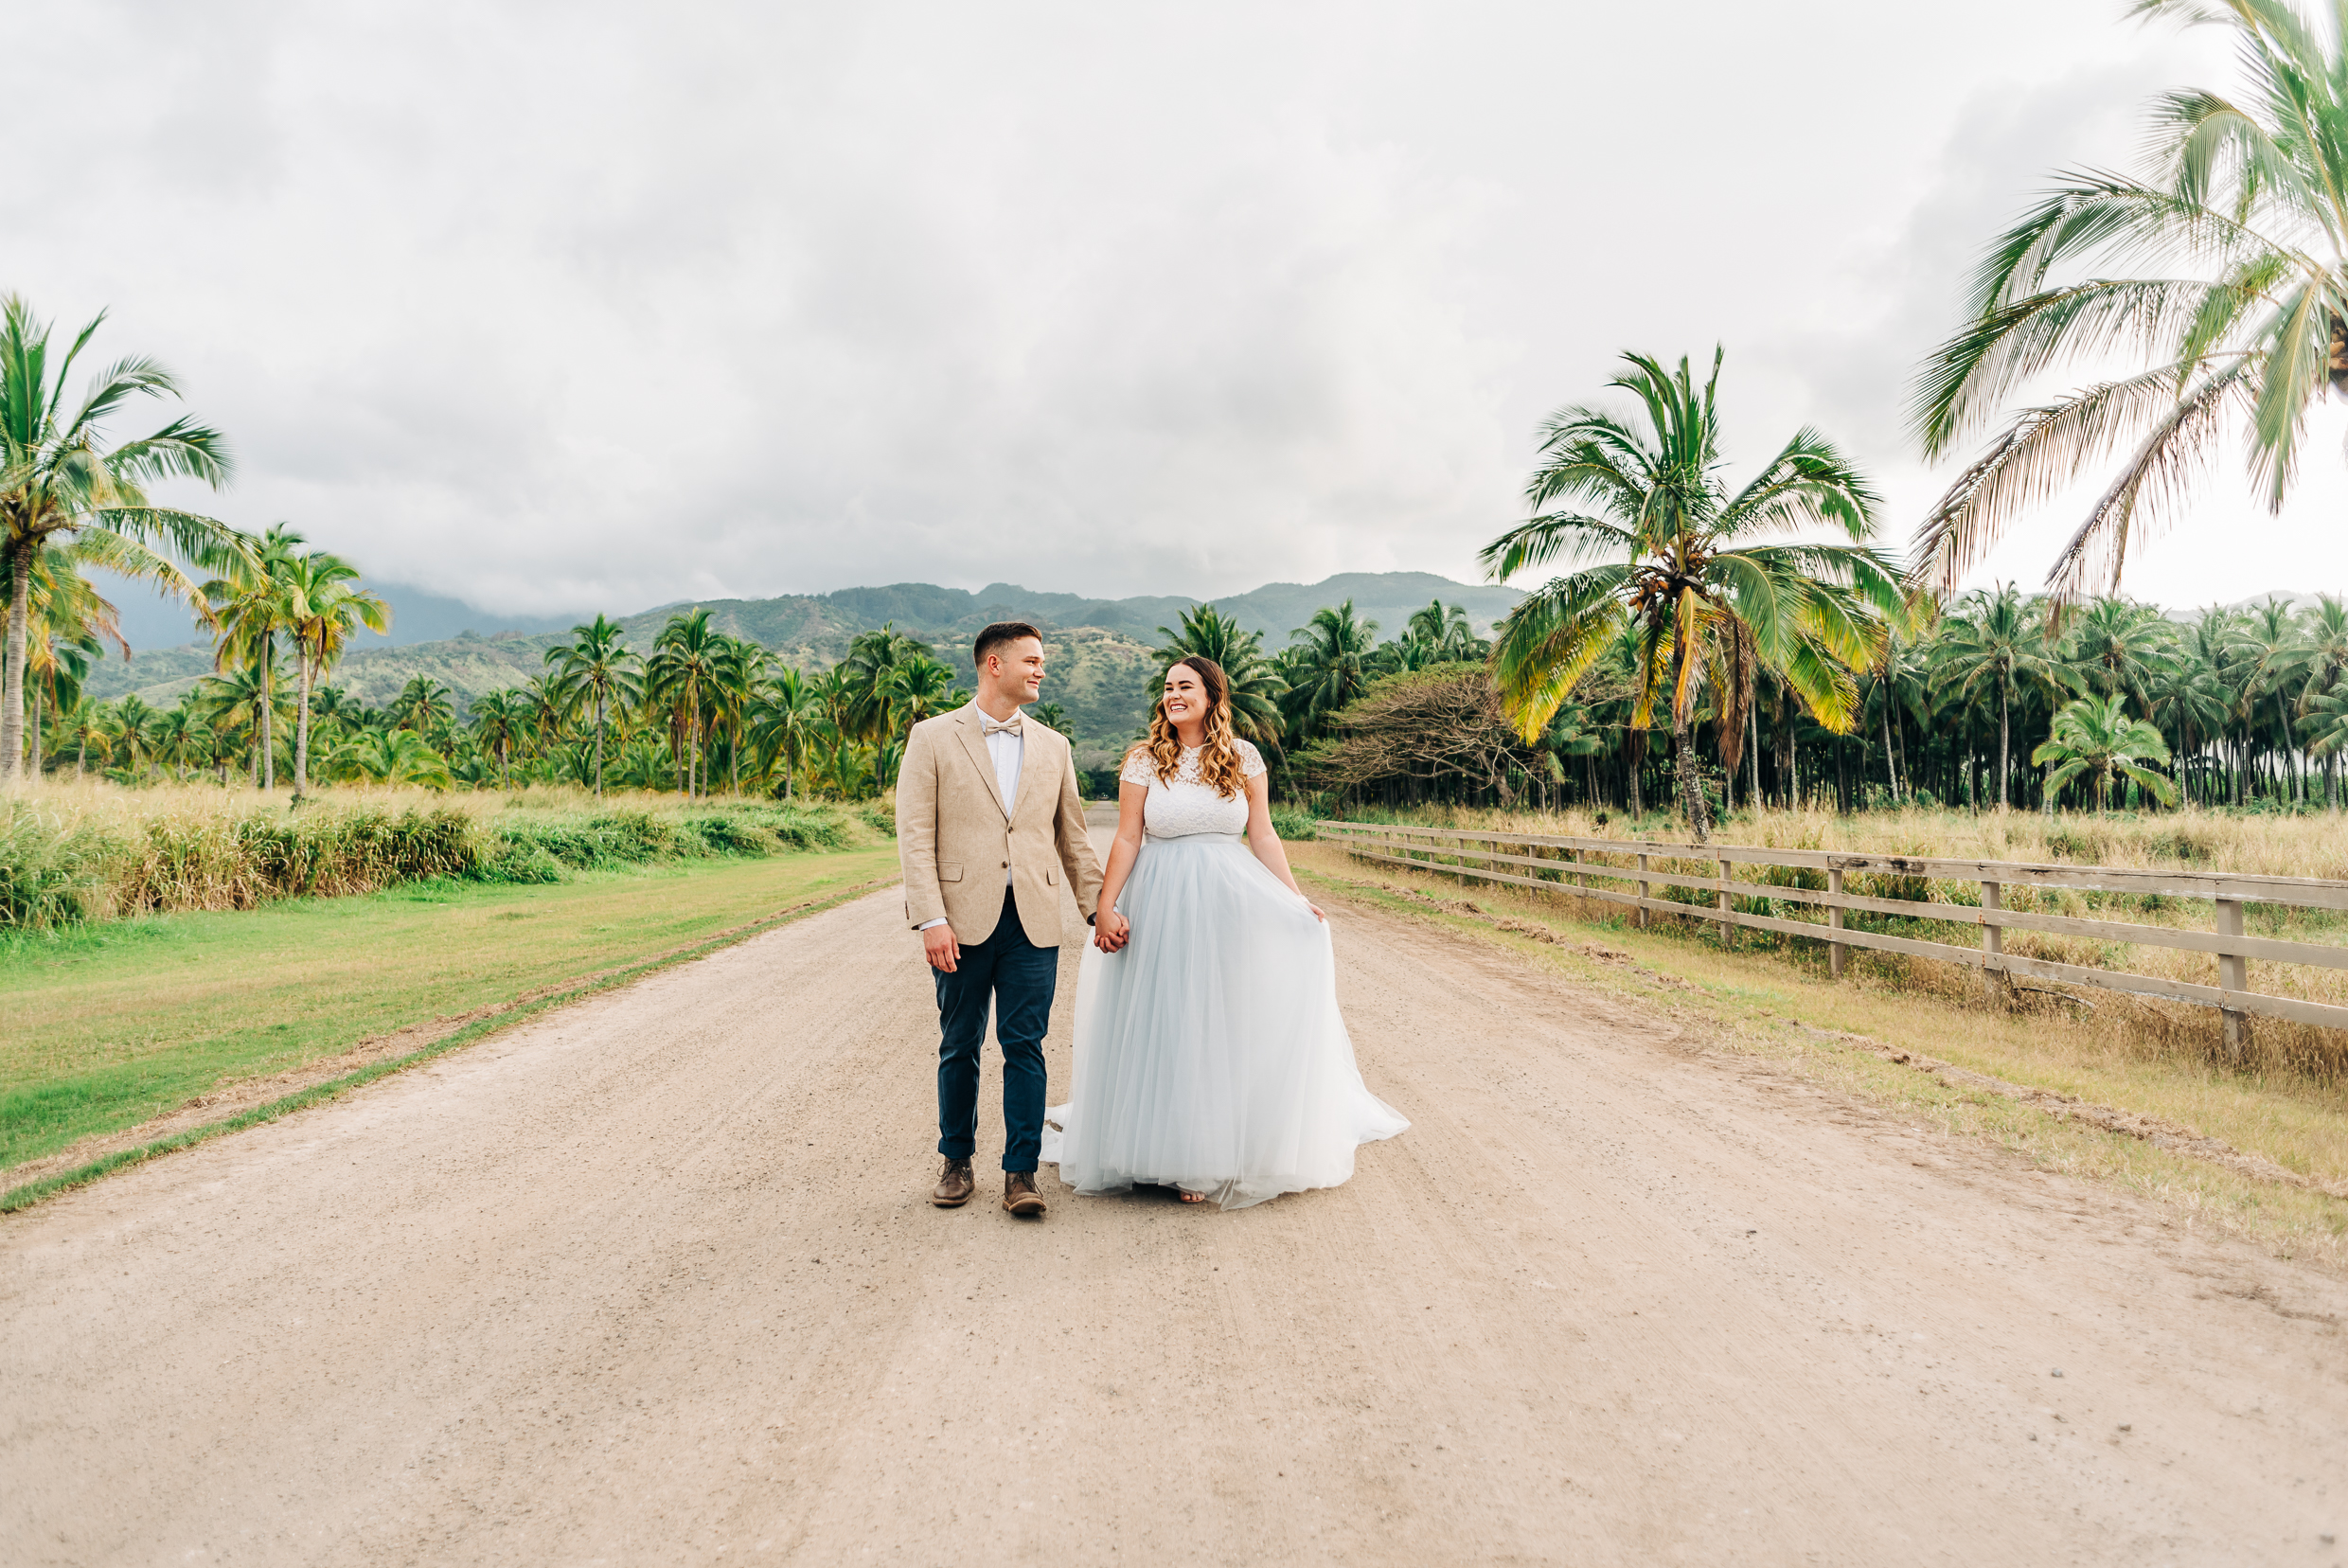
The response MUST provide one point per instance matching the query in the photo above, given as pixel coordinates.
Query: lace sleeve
(1250, 760)
(1138, 769)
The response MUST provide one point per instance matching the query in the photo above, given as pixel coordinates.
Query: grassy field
(111, 1023)
(2137, 1028)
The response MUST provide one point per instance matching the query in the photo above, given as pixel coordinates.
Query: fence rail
(1573, 864)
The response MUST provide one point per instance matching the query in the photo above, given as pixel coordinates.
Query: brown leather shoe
(954, 1184)
(1020, 1195)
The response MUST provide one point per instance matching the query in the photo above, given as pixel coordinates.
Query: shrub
(1293, 825)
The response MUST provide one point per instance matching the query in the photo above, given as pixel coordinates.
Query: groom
(986, 793)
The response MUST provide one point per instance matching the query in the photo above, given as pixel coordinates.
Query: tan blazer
(956, 841)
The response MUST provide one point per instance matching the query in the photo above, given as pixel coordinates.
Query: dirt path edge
(331, 1076)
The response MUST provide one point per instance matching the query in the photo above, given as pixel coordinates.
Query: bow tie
(1008, 726)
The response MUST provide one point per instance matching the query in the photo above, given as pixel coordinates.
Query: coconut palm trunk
(1684, 746)
(12, 691)
(301, 726)
(2005, 741)
(598, 742)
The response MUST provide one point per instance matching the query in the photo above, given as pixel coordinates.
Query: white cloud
(562, 307)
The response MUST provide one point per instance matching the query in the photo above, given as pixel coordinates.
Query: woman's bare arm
(1107, 936)
(1264, 839)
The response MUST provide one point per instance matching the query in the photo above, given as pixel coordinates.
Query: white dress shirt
(1006, 749)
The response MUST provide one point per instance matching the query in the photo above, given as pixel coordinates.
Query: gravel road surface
(653, 1280)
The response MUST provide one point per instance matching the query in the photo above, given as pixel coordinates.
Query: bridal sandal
(1189, 1197)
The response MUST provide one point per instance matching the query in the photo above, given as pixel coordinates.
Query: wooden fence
(1555, 865)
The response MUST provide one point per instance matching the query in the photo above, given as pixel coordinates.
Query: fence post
(1993, 942)
(1728, 926)
(2233, 976)
(1643, 894)
(1834, 919)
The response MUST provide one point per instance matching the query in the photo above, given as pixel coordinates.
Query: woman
(1210, 1055)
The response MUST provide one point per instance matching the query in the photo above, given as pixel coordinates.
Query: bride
(1210, 1057)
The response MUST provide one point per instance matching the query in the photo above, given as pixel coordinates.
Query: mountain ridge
(1101, 647)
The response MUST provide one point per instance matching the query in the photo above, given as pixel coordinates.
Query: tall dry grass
(96, 851)
(2315, 845)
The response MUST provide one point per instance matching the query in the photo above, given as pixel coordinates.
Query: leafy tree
(2094, 739)
(2248, 187)
(59, 479)
(1678, 562)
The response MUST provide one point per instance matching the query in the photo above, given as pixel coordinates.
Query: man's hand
(1110, 931)
(939, 947)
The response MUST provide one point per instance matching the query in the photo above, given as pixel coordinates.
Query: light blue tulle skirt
(1209, 1052)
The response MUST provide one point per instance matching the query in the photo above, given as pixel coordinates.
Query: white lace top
(1188, 804)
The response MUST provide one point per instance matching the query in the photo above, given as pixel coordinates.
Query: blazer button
(1007, 865)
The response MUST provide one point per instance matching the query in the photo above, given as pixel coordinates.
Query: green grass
(111, 1025)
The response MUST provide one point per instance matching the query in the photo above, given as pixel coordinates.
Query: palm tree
(546, 707)
(678, 676)
(68, 622)
(175, 738)
(2325, 633)
(244, 701)
(1206, 632)
(392, 757)
(1996, 643)
(599, 667)
(325, 609)
(423, 705)
(1710, 606)
(782, 724)
(251, 603)
(872, 655)
(2254, 191)
(737, 672)
(2122, 648)
(2094, 738)
(57, 477)
(499, 718)
(1325, 665)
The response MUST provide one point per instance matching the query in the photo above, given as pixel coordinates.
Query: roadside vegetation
(112, 1024)
(94, 852)
(2281, 1054)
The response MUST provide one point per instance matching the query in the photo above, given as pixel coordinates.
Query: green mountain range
(1100, 670)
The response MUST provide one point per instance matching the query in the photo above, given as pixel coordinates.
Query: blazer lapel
(975, 742)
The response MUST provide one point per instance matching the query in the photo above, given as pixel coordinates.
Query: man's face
(1019, 667)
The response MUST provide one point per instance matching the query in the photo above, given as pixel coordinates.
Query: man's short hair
(996, 635)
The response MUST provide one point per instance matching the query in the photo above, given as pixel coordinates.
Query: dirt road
(652, 1281)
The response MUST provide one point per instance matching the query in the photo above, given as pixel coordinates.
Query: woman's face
(1185, 696)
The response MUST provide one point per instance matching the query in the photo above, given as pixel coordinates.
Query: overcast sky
(563, 307)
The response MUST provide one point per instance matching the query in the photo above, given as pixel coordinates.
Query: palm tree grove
(1693, 645)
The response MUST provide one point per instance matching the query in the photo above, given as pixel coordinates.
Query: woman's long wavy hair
(1218, 758)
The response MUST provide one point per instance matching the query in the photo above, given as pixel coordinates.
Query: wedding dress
(1209, 1052)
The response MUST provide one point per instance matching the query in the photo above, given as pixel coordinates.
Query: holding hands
(1110, 931)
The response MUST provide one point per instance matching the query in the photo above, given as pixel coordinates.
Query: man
(986, 795)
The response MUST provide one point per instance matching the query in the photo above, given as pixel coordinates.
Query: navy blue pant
(1019, 978)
